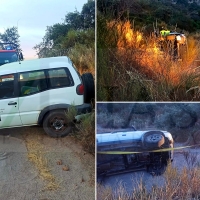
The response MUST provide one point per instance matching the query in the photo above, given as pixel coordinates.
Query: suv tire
(56, 124)
(89, 91)
(153, 139)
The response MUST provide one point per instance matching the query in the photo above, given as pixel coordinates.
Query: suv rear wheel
(56, 124)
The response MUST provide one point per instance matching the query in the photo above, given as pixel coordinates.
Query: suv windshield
(7, 57)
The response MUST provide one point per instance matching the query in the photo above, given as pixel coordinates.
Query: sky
(32, 17)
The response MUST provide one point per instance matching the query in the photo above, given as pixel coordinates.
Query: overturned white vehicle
(129, 150)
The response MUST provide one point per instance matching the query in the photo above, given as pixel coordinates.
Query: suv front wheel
(56, 124)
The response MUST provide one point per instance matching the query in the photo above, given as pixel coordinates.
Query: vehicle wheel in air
(89, 88)
(56, 124)
(153, 139)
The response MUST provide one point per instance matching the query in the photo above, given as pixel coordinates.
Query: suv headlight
(178, 38)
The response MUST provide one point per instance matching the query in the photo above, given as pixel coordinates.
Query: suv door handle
(12, 103)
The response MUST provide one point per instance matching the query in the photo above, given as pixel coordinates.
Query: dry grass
(37, 157)
(84, 58)
(84, 129)
(179, 185)
(132, 67)
(86, 132)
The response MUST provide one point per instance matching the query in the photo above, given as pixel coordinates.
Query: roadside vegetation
(74, 37)
(84, 129)
(86, 132)
(130, 63)
(178, 184)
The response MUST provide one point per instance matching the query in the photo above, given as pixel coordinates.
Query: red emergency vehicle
(9, 53)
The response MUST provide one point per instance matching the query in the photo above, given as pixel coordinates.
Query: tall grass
(86, 132)
(84, 128)
(131, 66)
(83, 57)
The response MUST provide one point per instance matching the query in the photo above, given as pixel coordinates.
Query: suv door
(9, 105)
(33, 94)
(37, 92)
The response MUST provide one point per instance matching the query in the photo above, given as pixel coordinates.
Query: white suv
(145, 151)
(40, 91)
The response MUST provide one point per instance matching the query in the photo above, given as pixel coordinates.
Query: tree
(83, 20)
(74, 20)
(78, 28)
(56, 31)
(11, 35)
(88, 13)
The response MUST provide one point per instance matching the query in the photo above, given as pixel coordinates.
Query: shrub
(86, 132)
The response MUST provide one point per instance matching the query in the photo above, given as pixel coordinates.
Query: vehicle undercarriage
(141, 155)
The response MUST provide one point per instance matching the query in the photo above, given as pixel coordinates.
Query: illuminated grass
(132, 67)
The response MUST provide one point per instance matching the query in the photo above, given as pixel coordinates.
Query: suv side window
(7, 86)
(32, 82)
(59, 78)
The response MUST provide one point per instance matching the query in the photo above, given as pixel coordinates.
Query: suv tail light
(80, 89)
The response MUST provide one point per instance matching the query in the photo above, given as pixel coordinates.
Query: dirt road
(36, 167)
